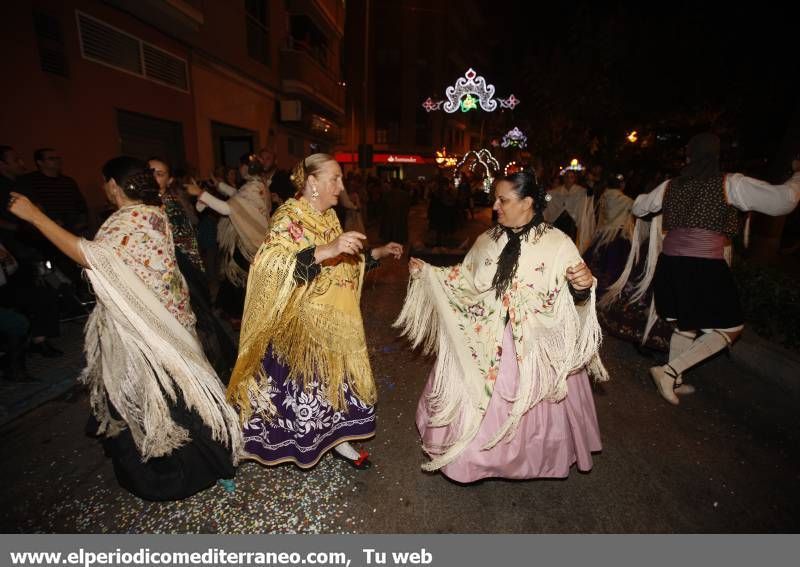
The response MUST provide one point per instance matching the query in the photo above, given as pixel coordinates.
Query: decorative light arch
(515, 139)
(483, 158)
(574, 165)
(470, 92)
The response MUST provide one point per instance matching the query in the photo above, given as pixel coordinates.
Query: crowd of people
(281, 256)
(35, 276)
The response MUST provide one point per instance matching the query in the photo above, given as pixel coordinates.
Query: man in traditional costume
(514, 329)
(571, 209)
(154, 396)
(303, 383)
(692, 281)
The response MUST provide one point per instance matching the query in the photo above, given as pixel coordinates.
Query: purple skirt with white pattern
(305, 426)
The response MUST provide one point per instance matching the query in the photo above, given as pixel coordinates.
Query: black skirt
(193, 467)
(697, 292)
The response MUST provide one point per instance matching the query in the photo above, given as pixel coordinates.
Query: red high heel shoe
(362, 463)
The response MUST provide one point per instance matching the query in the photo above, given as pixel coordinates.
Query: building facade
(197, 81)
(397, 55)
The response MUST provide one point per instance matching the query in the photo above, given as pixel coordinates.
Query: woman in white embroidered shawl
(514, 328)
(242, 230)
(155, 398)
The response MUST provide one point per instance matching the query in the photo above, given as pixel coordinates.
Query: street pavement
(725, 460)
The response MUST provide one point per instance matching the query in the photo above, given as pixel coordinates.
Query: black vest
(699, 203)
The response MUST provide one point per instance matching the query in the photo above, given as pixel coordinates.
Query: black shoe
(45, 349)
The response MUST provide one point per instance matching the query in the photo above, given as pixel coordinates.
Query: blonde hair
(308, 166)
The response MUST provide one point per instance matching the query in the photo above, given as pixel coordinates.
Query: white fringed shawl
(579, 206)
(455, 313)
(138, 354)
(245, 229)
(615, 218)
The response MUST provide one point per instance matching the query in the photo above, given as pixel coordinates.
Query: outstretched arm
(748, 194)
(63, 239)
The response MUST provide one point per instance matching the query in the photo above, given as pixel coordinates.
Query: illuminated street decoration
(574, 166)
(445, 161)
(509, 102)
(429, 105)
(633, 137)
(515, 139)
(470, 92)
(512, 167)
(468, 103)
(482, 158)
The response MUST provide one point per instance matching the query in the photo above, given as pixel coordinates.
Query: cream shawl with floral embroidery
(315, 328)
(455, 312)
(142, 352)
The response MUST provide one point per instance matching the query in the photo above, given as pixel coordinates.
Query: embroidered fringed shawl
(614, 217)
(455, 312)
(141, 348)
(245, 228)
(314, 328)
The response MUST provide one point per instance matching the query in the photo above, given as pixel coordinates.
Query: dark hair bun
(135, 178)
(144, 187)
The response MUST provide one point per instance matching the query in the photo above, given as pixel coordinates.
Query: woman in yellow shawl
(514, 326)
(303, 382)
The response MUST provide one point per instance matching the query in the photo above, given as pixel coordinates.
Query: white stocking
(680, 342)
(703, 347)
(347, 451)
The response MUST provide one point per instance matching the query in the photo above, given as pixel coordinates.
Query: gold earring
(314, 192)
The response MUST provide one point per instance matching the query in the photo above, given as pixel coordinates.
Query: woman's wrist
(321, 253)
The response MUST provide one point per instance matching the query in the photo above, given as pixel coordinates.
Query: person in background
(240, 232)
(217, 345)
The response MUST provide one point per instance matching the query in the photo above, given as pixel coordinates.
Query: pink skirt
(550, 439)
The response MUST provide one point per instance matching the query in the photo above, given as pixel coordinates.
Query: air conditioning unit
(291, 111)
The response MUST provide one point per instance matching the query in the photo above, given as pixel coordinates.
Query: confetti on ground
(281, 499)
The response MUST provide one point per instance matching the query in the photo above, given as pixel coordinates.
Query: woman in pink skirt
(516, 335)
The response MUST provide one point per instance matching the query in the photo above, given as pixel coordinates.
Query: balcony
(304, 75)
(327, 14)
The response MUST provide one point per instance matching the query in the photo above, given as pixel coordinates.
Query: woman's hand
(346, 243)
(415, 266)
(580, 277)
(391, 249)
(21, 206)
(193, 189)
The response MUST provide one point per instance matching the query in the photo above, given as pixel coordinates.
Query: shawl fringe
(139, 357)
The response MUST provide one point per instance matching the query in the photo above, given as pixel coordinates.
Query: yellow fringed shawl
(455, 312)
(315, 329)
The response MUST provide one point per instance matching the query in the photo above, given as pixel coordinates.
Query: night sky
(678, 66)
